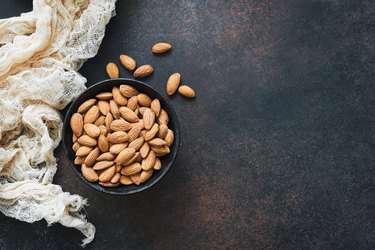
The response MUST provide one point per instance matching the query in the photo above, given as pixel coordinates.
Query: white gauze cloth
(40, 53)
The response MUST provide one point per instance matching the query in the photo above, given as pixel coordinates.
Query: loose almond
(91, 130)
(148, 118)
(107, 174)
(92, 115)
(118, 97)
(144, 100)
(103, 107)
(137, 143)
(136, 179)
(103, 143)
(124, 156)
(115, 178)
(100, 121)
(128, 91)
(131, 169)
(83, 151)
(104, 96)
(157, 165)
(128, 114)
(163, 117)
(89, 173)
(79, 160)
(120, 125)
(134, 132)
(146, 175)
(76, 146)
(117, 148)
(143, 71)
(91, 158)
(86, 106)
(163, 130)
(186, 91)
(74, 138)
(149, 161)
(125, 180)
(161, 151)
(128, 62)
(155, 106)
(136, 157)
(157, 142)
(161, 48)
(76, 123)
(103, 165)
(133, 103)
(142, 110)
(114, 109)
(118, 137)
(173, 83)
(144, 149)
(152, 132)
(103, 130)
(108, 184)
(112, 70)
(107, 156)
(86, 140)
(108, 121)
(169, 138)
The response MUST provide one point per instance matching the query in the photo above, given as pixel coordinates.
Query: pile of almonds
(173, 83)
(119, 135)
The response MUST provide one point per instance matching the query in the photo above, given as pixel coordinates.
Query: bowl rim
(117, 82)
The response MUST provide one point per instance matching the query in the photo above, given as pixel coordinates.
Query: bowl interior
(106, 86)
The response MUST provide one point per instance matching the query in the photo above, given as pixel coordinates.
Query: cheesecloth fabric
(40, 53)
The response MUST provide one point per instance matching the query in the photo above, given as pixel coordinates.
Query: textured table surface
(278, 148)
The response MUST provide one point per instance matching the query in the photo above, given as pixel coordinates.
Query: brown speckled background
(278, 148)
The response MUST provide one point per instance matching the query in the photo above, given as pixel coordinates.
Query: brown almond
(146, 175)
(128, 91)
(103, 143)
(160, 48)
(186, 91)
(107, 174)
(144, 149)
(152, 132)
(91, 158)
(76, 146)
(117, 148)
(108, 121)
(143, 132)
(157, 165)
(131, 169)
(79, 160)
(160, 151)
(118, 168)
(112, 70)
(142, 110)
(92, 115)
(120, 125)
(134, 132)
(115, 178)
(125, 180)
(108, 184)
(149, 161)
(128, 114)
(124, 156)
(163, 117)
(114, 109)
(76, 123)
(137, 143)
(169, 138)
(136, 157)
(128, 62)
(104, 96)
(144, 100)
(103, 107)
(74, 138)
(91, 130)
(173, 83)
(163, 130)
(118, 97)
(136, 179)
(103, 130)
(157, 142)
(89, 173)
(86, 106)
(107, 156)
(155, 106)
(118, 137)
(86, 140)
(143, 71)
(148, 118)
(100, 121)
(83, 151)
(103, 165)
(133, 103)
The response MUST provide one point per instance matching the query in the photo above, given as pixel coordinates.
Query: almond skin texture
(161, 48)
(113, 108)
(186, 91)
(133, 159)
(108, 121)
(103, 165)
(76, 123)
(91, 158)
(86, 106)
(157, 142)
(131, 169)
(163, 117)
(100, 121)
(74, 138)
(128, 62)
(143, 71)
(112, 70)
(83, 151)
(103, 107)
(148, 118)
(76, 146)
(120, 125)
(103, 143)
(134, 132)
(155, 106)
(86, 140)
(169, 138)
(149, 161)
(118, 97)
(125, 180)
(137, 143)
(163, 130)
(104, 96)
(89, 173)
(128, 114)
(108, 184)
(173, 83)
(107, 174)
(124, 156)
(160, 151)
(132, 103)
(115, 178)
(136, 179)
(106, 157)
(157, 165)
(92, 115)
(91, 130)
(118, 137)
(152, 132)
(144, 100)
(128, 91)
(103, 130)
(146, 175)
(79, 160)
(117, 148)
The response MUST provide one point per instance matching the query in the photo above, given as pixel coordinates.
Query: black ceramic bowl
(106, 86)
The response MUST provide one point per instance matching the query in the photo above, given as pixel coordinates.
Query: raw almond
(100, 121)
(128, 114)
(143, 132)
(92, 115)
(149, 161)
(115, 178)
(137, 143)
(148, 118)
(89, 173)
(169, 138)
(107, 174)
(163, 117)
(107, 156)
(103, 165)
(108, 121)
(74, 138)
(117, 148)
(186, 91)
(114, 109)
(112, 70)
(76, 123)
(83, 151)
(86, 140)
(120, 125)
(108, 184)
(136, 157)
(133, 103)
(163, 130)
(144, 100)
(118, 168)
(86, 106)
(144, 149)
(118, 97)
(103, 143)
(124, 156)
(155, 106)
(161, 48)
(131, 169)
(152, 132)
(134, 132)
(76, 146)
(103, 107)
(157, 165)
(136, 179)
(118, 137)
(79, 160)
(142, 110)
(103, 130)
(173, 83)
(91, 130)
(128, 62)
(91, 158)
(160, 151)
(104, 96)
(146, 175)
(125, 180)
(128, 91)
(157, 142)
(143, 71)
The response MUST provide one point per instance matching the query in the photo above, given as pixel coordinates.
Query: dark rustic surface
(278, 148)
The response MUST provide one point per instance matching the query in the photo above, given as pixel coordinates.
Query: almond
(103, 107)
(91, 158)
(108, 184)
(186, 91)
(91, 130)
(118, 168)
(124, 156)
(152, 132)
(103, 130)
(106, 157)
(117, 137)
(79, 160)
(83, 151)
(157, 165)
(114, 109)
(163, 130)
(86, 140)
(125, 180)
(144, 100)
(117, 148)
(163, 117)
(160, 151)
(136, 157)
(120, 125)
(128, 114)
(146, 175)
(103, 165)
(76, 123)
(76, 146)
(92, 115)
(144, 149)
(128, 91)
(161, 48)
(137, 143)
(89, 173)
(133, 103)
(142, 110)
(118, 97)
(155, 106)
(134, 132)
(108, 121)
(148, 118)
(104, 96)
(128, 62)
(100, 121)
(143, 71)
(136, 179)
(86, 106)
(103, 143)
(107, 174)
(116, 178)
(74, 138)
(143, 132)
(169, 138)
(149, 161)
(157, 142)
(112, 70)
(173, 83)
(131, 169)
